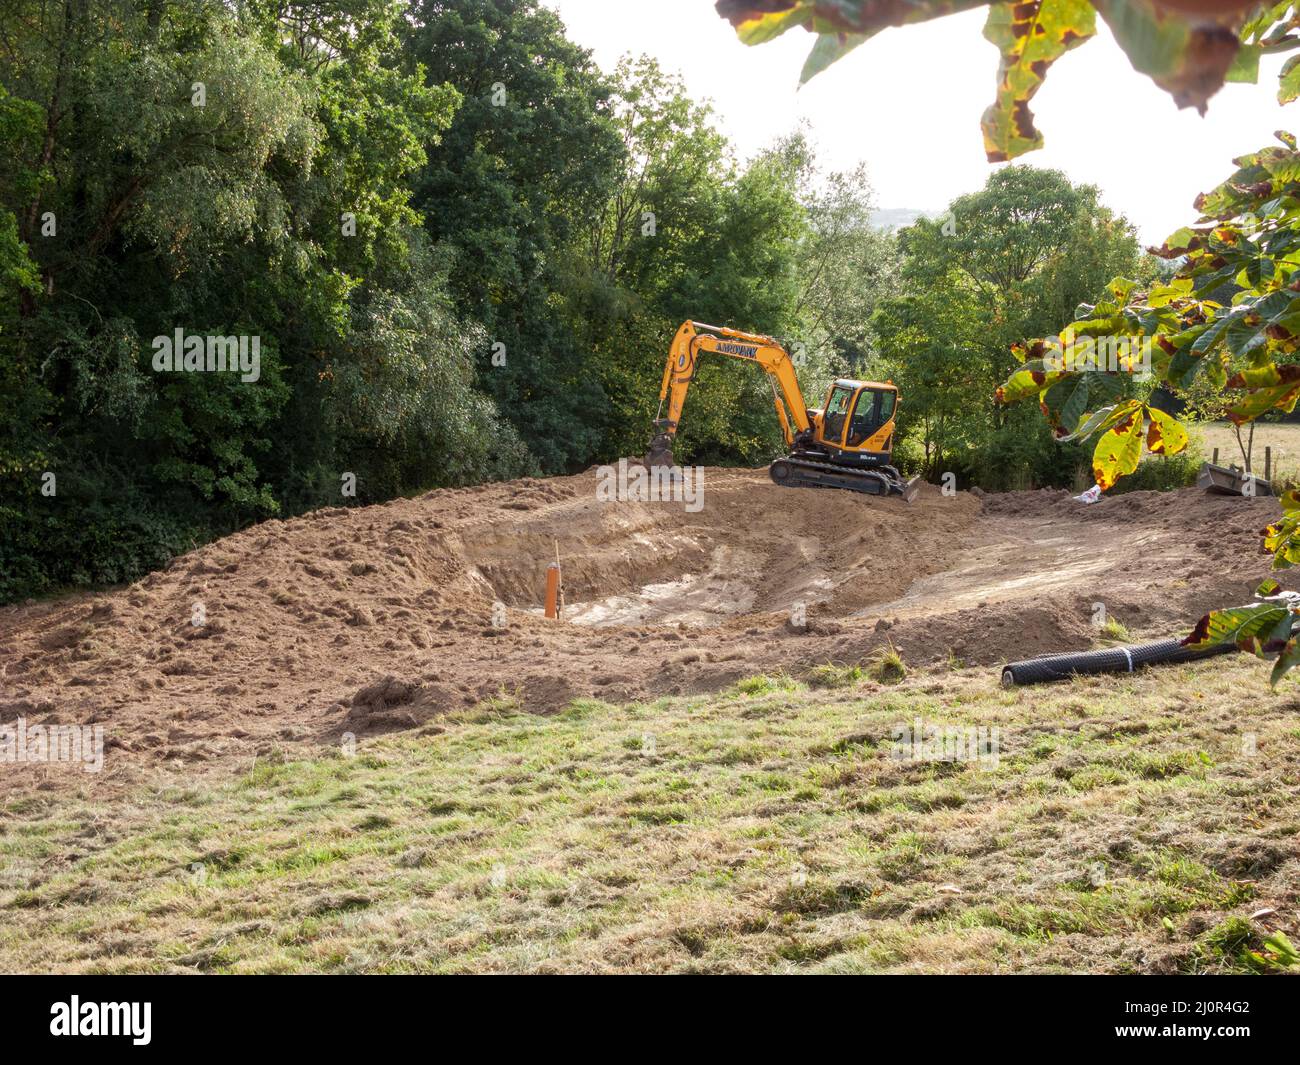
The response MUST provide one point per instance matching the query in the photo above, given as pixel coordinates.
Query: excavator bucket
(661, 452)
(911, 489)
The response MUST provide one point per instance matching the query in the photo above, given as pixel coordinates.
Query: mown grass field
(1131, 824)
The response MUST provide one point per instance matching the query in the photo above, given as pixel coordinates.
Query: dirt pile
(369, 619)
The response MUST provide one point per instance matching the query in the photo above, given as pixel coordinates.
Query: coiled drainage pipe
(1111, 660)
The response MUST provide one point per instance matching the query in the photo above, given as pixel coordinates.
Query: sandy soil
(362, 620)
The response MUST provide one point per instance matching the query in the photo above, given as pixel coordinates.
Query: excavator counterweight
(848, 443)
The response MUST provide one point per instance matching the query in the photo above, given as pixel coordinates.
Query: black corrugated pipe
(1111, 660)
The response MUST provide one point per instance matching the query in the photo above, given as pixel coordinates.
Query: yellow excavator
(847, 443)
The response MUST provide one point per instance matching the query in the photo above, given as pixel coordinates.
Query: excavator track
(795, 472)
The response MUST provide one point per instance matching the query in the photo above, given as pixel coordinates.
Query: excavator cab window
(869, 414)
(837, 407)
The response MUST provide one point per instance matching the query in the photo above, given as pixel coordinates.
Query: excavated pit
(751, 548)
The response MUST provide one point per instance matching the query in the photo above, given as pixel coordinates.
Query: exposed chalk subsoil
(378, 618)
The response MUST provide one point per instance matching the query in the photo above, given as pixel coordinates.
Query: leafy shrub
(1163, 473)
(1022, 455)
(89, 545)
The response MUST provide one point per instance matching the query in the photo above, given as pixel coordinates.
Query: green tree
(528, 160)
(403, 404)
(1000, 265)
(1245, 243)
(686, 233)
(235, 169)
(846, 265)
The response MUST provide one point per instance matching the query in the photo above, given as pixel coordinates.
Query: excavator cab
(857, 424)
(872, 411)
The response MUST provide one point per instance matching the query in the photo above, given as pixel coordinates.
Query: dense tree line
(459, 246)
(458, 249)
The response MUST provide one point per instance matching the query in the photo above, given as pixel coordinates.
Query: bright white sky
(919, 135)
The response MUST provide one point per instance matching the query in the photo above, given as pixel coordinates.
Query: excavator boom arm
(696, 337)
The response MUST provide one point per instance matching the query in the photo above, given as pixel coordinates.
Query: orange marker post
(553, 590)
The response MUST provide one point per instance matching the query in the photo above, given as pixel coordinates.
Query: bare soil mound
(369, 619)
